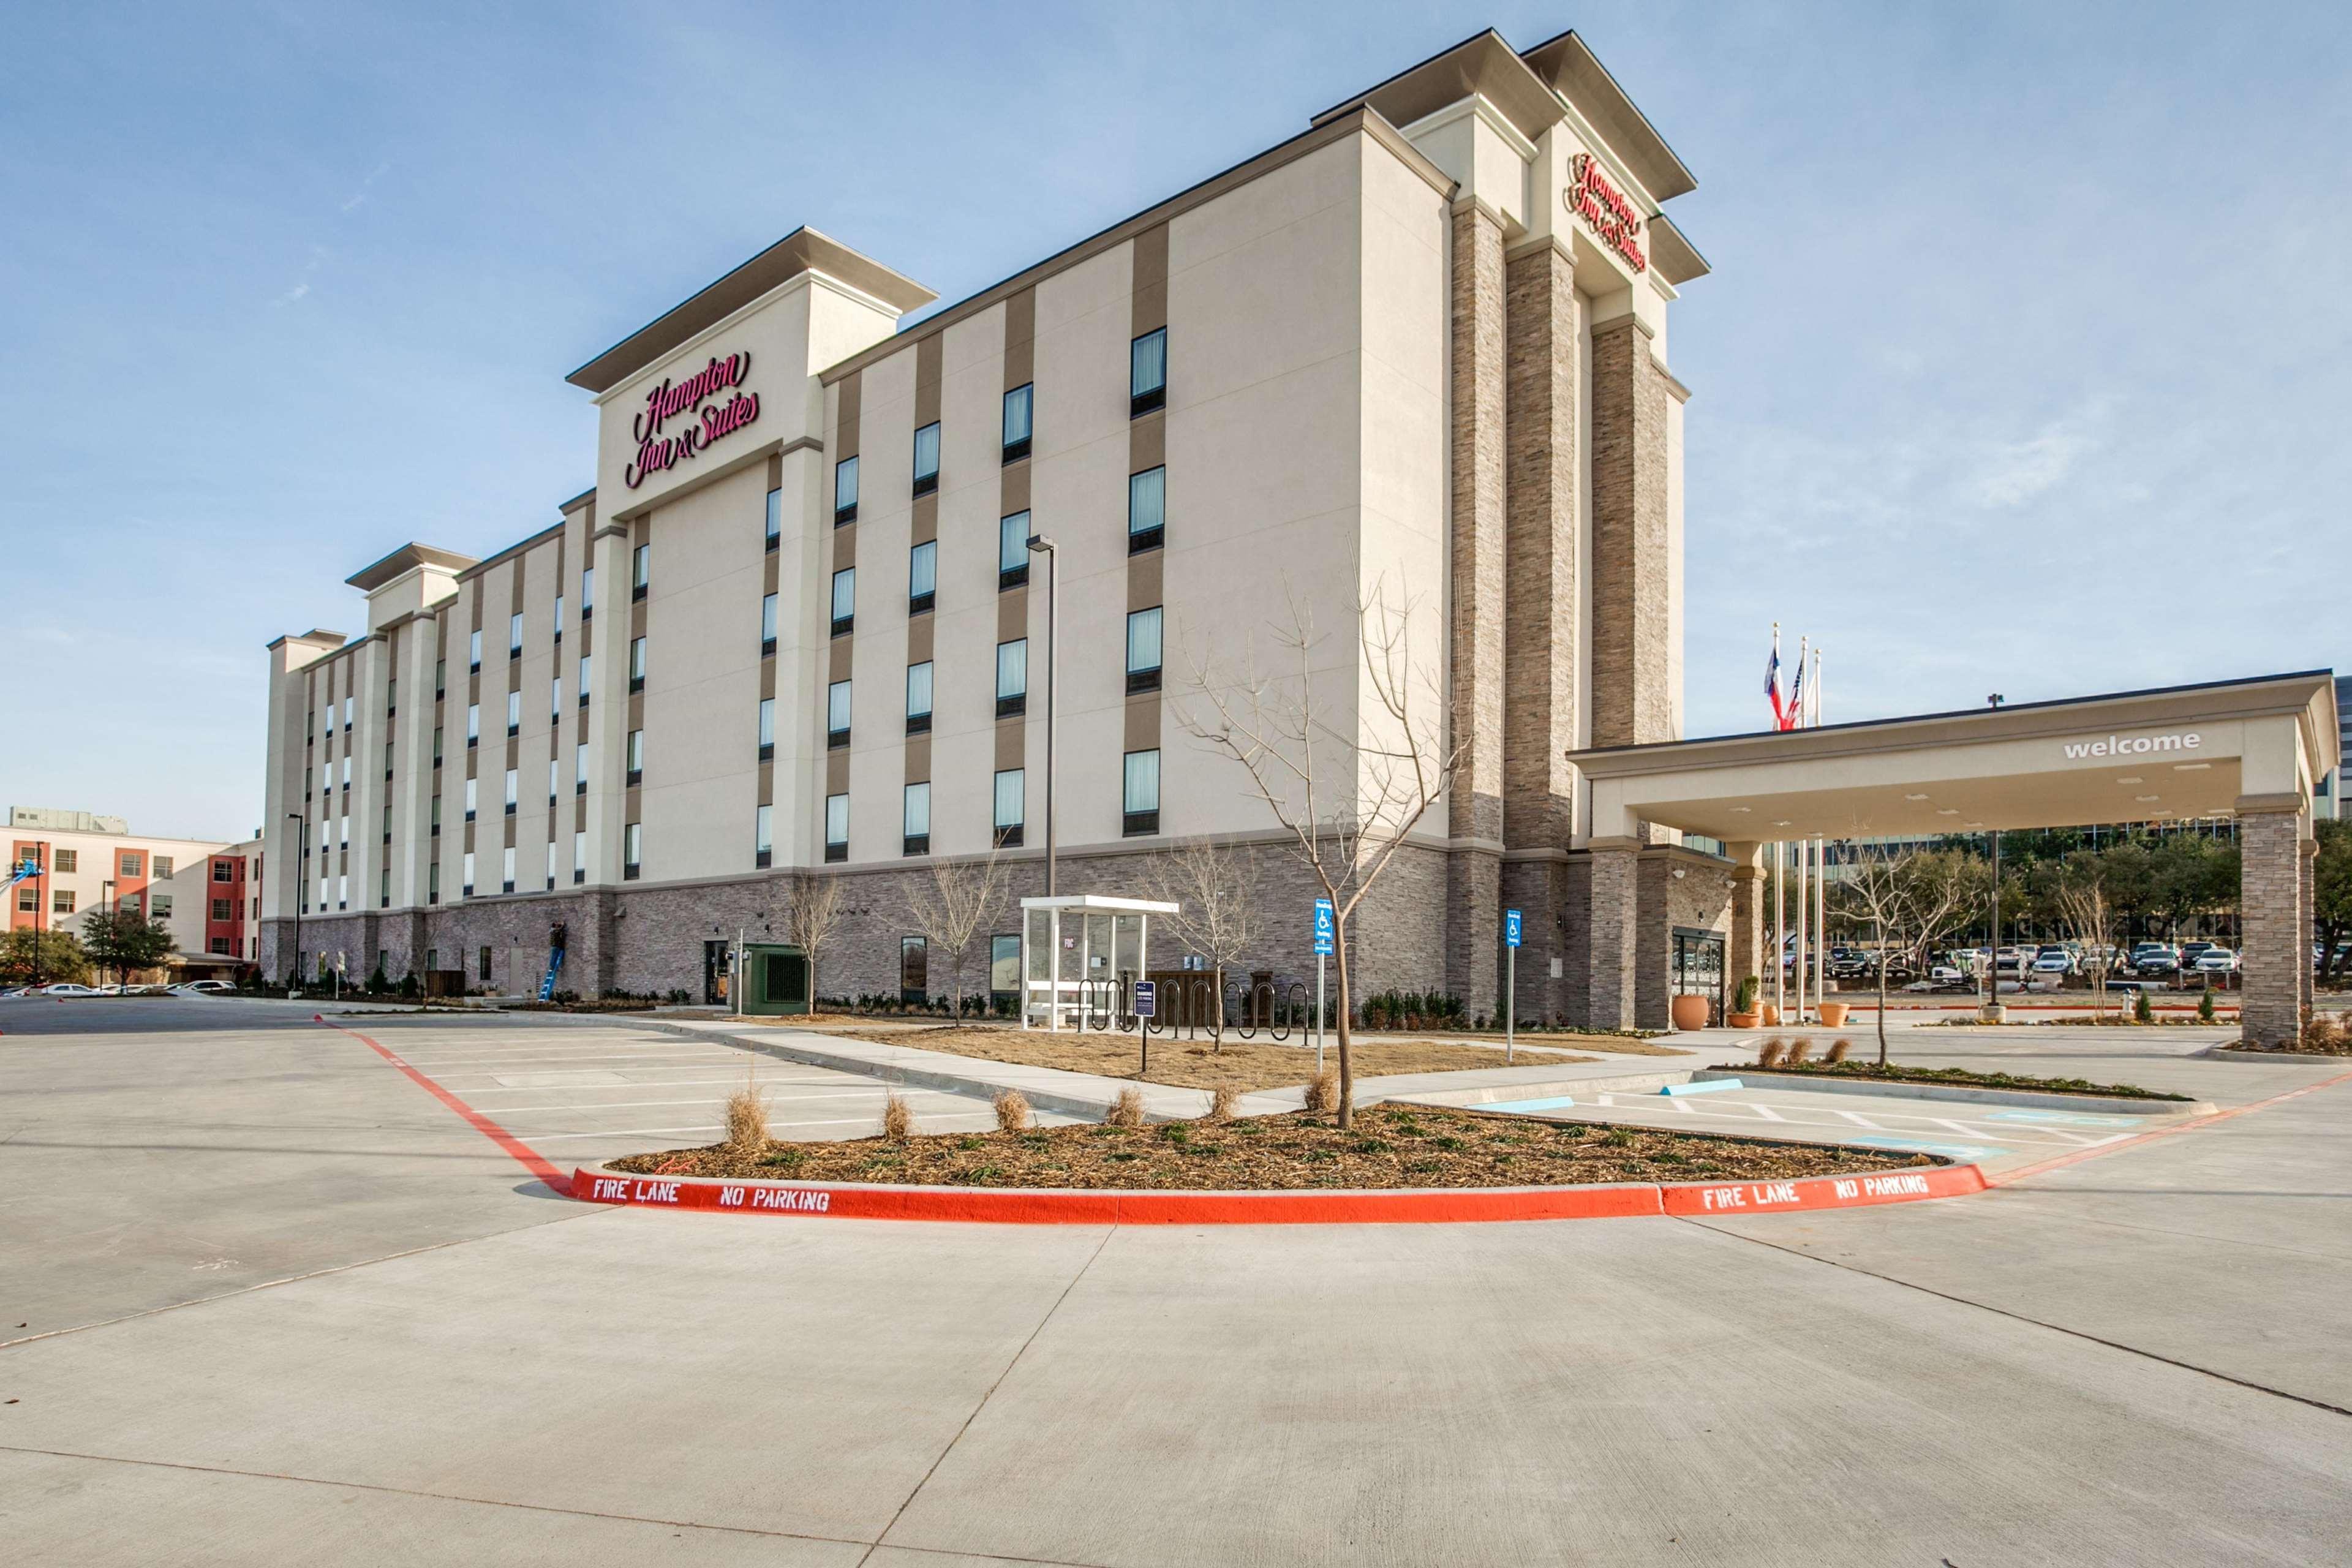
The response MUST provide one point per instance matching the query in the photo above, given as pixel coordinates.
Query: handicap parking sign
(1510, 928)
(1324, 923)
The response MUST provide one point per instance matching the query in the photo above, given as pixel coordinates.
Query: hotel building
(796, 627)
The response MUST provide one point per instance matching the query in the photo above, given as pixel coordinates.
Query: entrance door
(714, 972)
(1699, 969)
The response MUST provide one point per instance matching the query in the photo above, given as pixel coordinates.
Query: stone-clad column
(2307, 913)
(1615, 925)
(1633, 697)
(1539, 652)
(2274, 937)
(1744, 957)
(1474, 631)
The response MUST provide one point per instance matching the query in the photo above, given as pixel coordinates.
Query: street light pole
(1040, 545)
(301, 872)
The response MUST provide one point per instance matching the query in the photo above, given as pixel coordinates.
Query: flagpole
(1803, 954)
(1820, 861)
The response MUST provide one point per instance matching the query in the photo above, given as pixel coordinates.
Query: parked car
(2056, 960)
(2217, 960)
(202, 988)
(67, 988)
(2154, 958)
(1848, 963)
(2191, 951)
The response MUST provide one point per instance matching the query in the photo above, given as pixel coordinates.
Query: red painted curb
(1436, 1205)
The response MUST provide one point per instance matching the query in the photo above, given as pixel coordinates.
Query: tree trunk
(1882, 995)
(1346, 1036)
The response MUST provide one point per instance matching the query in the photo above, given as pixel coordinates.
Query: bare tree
(1215, 890)
(951, 909)
(1906, 898)
(812, 915)
(1345, 831)
(2081, 896)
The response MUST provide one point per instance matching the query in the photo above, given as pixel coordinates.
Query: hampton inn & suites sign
(1607, 210)
(702, 417)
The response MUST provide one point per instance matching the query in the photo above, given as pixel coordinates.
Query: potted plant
(1743, 1003)
(1832, 1015)
(1689, 1010)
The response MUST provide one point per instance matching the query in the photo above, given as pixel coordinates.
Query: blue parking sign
(1324, 923)
(1510, 928)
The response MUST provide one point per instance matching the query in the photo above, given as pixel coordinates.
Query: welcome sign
(2132, 745)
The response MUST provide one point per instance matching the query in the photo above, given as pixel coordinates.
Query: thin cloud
(360, 195)
(301, 288)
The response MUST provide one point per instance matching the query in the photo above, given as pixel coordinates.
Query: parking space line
(713, 1126)
(698, 1100)
(665, 1083)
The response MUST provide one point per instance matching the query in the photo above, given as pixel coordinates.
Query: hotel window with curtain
(473, 649)
(845, 601)
(1141, 792)
(836, 828)
(583, 680)
(1012, 678)
(763, 845)
(844, 491)
(1143, 650)
(917, 819)
(918, 698)
(775, 516)
(512, 783)
(1011, 807)
(1019, 404)
(514, 634)
(579, 858)
(514, 712)
(636, 664)
(580, 768)
(836, 715)
(507, 870)
(1147, 380)
(767, 625)
(473, 725)
(922, 576)
(636, 757)
(587, 591)
(633, 847)
(641, 570)
(927, 459)
(767, 728)
(1013, 550)
(1147, 511)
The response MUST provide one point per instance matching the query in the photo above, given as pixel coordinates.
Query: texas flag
(1772, 682)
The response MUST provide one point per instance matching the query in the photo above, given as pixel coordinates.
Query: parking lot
(268, 1299)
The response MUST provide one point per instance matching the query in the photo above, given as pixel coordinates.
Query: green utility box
(775, 979)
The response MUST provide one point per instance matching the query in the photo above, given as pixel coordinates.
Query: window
(927, 459)
(1012, 678)
(554, 698)
(918, 698)
(436, 754)
(473, 649)
(554, 775)
(587, 591)
(514, 712)
(507, 870)
(633, 844)
(61, 901)
(347, 713)
(163, 865)
(580, 768)
(486, 966)
(29, 900)
(775, 516)
(514, 634)
(390, 697)
(440, 678)
(917, 818)
(583, 680)
(306, 782)
(636, 664)
(347, 771)
(130, 864)
(762, 845)
(836, 714)
(343, 892)
(471, 788)
(1147, 377)
(836, 828)
(558, 617)
(224, 870)
(1141, 792)
(220, 908)
(465, 882)
(437, 813)
(1018, 405)
(160, 907)
(844, 491)
(1013, 550)
(913, 966)
(767, 625)
(1147, 511)
(922, 576)
(473, 724)
(1004, 966)
(511, 797)
(1010, 807)
(767, 728)
(1143, 650)
(433, 886)
(636, 757)
(550, 865)
(383, 888)
(219, 944)
(68, 859)
(641, 570)
(845, 600)
(579, 856)
(387, 822)
(387, 760)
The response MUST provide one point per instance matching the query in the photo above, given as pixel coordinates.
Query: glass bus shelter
(1081, 950)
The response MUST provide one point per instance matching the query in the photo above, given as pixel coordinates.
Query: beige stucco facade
(1343, 317)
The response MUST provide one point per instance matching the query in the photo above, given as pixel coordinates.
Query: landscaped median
(1396, 1163)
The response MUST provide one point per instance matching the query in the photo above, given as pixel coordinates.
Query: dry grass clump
(1798, 1051)
(1774, 1049)
(2324, 1032)
(897, 1120)
(747, 1119)
(1222, 1100)
(1323, 1093)
(1012, 1111)
(1838, 1049)
(1126, 1110)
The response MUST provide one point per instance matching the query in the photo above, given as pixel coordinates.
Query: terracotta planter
(1771, 1016)
(1832, 1015)
(1690, 1011)
(1741, 1020)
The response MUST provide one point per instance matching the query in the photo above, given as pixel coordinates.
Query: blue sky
(2025, 366)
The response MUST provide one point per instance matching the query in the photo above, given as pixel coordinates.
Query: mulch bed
(1961, 1077)
(2337, 1048)
(1389, 1147)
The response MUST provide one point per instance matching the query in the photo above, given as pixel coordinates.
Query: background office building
(796, 627)
(206, 894)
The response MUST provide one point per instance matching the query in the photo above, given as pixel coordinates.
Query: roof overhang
(802, 250)
(1571, 67)
(406, 559)
(2173, 753)
(1483, 66)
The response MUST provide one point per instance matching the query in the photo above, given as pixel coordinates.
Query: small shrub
(1617, 1138)
(1323, 1093)
(1175, 1132)
(1126, 1110)
(897, 1121)
(2205, 1006)
(1838, 1049)
(1012, 1111)
(2142, 1012)
(1798, 1051)
(1770, 1057)
(1222, 1100)
(747, 1119)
